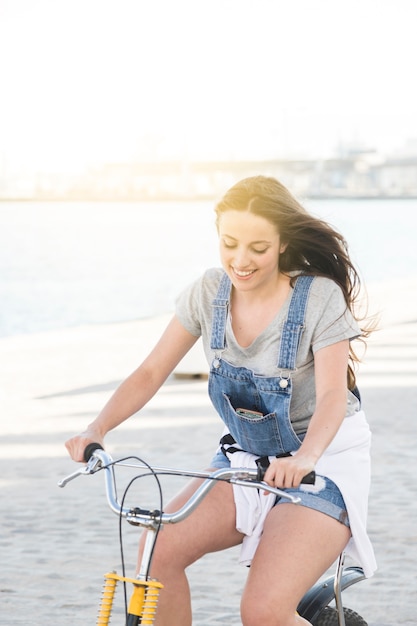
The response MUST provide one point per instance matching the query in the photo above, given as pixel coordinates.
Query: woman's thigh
(210, 527)
(297, 546)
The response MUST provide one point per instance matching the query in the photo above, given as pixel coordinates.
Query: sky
(84, 82)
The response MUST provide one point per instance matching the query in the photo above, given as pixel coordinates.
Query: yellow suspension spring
(151, 602)
(143, 602)
(107, 597)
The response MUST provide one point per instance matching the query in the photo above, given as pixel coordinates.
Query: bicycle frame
(144, 600)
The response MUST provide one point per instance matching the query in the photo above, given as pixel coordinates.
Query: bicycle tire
(328, 617)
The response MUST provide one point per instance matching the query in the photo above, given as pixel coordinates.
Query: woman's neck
(253, 311)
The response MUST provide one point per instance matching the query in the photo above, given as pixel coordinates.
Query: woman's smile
(243, 273)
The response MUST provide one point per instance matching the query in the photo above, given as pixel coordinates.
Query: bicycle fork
(144, 599)
(142, 605)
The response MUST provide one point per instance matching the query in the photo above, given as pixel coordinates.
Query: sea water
(64, 264)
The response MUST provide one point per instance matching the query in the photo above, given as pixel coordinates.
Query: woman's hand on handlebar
(289, 471)
(77, 445)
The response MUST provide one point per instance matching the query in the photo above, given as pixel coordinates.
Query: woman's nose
(242, 258)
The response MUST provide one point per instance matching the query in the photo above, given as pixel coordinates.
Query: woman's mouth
(243, 273)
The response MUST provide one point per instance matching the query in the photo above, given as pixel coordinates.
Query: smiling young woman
(276, 322)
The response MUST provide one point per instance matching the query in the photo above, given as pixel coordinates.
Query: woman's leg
(211, 527)
(297, 546)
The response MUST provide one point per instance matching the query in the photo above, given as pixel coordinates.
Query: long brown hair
(312, 245)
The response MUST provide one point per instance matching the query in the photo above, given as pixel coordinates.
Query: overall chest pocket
(261, 435)
(267, 434)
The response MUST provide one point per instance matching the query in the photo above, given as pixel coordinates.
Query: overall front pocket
(258, 434)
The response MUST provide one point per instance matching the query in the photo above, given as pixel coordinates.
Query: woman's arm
(138, 388)
(330, 366)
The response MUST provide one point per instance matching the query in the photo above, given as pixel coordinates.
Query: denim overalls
(270, 434)
(232, 388)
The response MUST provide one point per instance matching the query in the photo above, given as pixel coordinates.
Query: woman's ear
(283, 247)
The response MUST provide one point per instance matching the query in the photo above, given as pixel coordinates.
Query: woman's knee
(167, 553)
(259, 611)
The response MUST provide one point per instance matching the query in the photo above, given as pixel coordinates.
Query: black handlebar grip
(263, 464)
(309, 479)
(90, 449)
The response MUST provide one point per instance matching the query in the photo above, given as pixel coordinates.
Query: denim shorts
(323, 496)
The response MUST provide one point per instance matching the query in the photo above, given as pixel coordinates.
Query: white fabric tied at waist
(252, 507)
(346, 462)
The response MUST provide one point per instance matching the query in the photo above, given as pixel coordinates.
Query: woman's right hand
(76, 445)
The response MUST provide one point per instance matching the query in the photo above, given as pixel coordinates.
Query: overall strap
(294, 324)
(220, 308)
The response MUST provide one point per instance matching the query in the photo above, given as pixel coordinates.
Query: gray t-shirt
(328, 320)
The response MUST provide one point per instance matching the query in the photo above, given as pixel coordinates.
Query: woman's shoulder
(213, 274)
(203, 289)
(321, 285)
(193, 305)
(327, 307)
(325, 284)
(210, 280)
(326, 293)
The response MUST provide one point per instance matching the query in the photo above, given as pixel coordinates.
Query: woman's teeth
(241, 273)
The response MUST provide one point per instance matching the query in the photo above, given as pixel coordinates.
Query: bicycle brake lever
(93, 464)
(67, 479)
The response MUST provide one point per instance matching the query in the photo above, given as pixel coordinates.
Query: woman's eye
(231, 246)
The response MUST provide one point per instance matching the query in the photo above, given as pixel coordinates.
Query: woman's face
(249, 249)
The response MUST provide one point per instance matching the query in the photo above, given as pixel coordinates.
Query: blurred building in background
(353, 173)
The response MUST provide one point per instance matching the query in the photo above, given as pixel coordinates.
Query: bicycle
(315, 606)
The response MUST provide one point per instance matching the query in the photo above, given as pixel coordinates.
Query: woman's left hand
(287, 472)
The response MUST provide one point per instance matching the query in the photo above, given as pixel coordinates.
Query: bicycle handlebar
(98, 459)
(262, 464)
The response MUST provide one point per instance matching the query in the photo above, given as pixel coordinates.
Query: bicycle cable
(153, 473)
